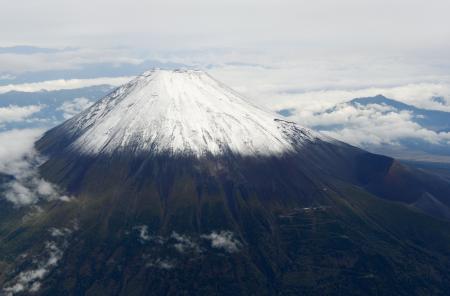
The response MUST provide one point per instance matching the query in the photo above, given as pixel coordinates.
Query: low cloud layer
(374, 124)
(307, 91)
(322, 82)
(19, 159)
(41, 264)
(184, 243)
(224, 240)
(14, 113)
(71, 108)
(64, 84)
(421, 95)
(15, 60)
(29, 280)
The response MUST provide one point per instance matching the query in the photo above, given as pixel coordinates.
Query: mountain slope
(260, 206)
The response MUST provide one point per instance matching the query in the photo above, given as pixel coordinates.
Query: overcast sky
(260, 47)
(409, 35)
(414, 26)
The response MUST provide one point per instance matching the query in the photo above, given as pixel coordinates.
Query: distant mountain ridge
(435, 120)
(408, 148)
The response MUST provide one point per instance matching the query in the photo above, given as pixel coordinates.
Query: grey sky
(400, 25)
(324, 44)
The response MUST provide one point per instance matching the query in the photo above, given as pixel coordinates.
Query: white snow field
(179, 111)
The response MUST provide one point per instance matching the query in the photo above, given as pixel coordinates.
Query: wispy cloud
(29, 280)
(27, 49)
(421, 95)
(16, 60)
(309, 89)
(40, 265)
(223, 240)
(19, 159)
(75, 106)
(146, 237)
(374, 124)
(184, 243)
(317, 81)
(161, 263)
(64, 84)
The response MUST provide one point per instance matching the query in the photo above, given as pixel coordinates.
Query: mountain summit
(180, 186)
(178, 112)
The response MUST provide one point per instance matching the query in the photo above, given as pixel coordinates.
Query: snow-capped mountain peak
(178, 111)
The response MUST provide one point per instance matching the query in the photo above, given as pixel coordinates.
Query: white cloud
(63, 60)
(419, 95)
(184, 243)
(19, 159)
(50, 85)
(145, 236)
(143, 232)
(57, 232)
(315, 82)
(29, 280)
(366, 125)
(40, 263)
(14, 113)
(310, 88)
(19, 194)
(75, 106)
(16, 149)
(161, 263)
(223, 240)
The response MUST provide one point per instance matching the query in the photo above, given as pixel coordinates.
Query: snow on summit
(177, 111)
